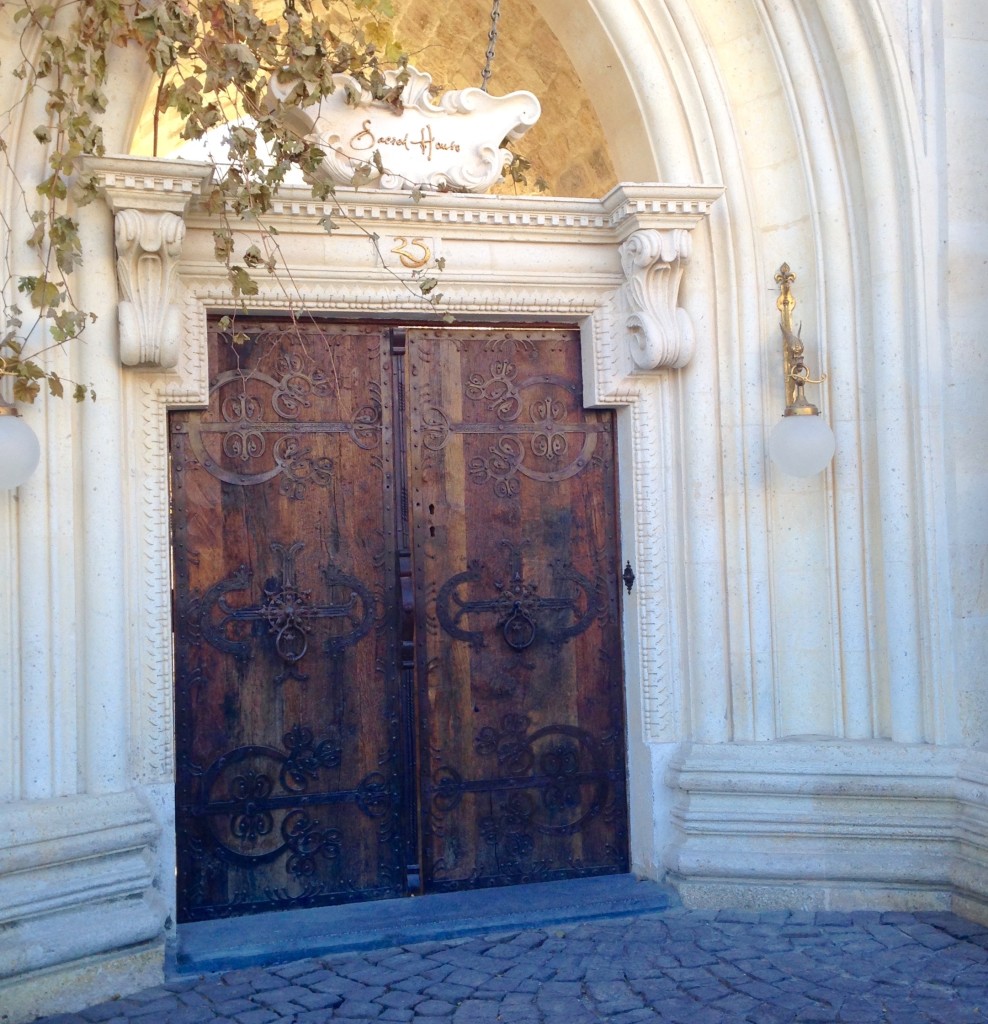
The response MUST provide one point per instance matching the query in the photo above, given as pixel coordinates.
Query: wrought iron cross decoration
(287, 610)
(521, 613)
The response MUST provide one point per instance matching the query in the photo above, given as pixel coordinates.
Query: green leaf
(243, 283)
(44, 294)
(26, 390)
(222, 245)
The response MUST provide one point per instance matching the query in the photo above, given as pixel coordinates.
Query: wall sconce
(802, 443)
(19, 448)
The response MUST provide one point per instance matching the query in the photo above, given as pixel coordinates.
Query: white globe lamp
(801, 444)
(19, 448)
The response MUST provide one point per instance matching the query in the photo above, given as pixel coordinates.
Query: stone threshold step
(264, 939)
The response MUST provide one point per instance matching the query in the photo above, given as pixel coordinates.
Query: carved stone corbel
(148, 249)
(660, 332)
(148, 198)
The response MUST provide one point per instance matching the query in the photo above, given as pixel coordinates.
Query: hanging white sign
(454, 142)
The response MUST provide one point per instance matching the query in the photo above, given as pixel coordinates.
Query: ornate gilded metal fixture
(802, 443)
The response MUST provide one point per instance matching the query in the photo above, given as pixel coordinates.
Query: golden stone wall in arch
(448, 38)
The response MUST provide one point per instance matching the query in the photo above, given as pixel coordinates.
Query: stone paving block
(766, 1013)
(293, 970)
(573, 971)
(262, 1015)
(154, 1009)
(517, 1001)
(193, 997)
(182, 984)
(643, 1015)
(728, 973)
(218, 991)
(434, 1008)
(756, 989)
(612, 991)
(393, 1013)
(423, 949)
(832, 918)
(476, 1011)
(318, 1000)
(351, 989)
(264, 982)
(450, 993)
(242, 975)
(148, 995)
(231, 1007)
(816, 1014)
(401, 960)
(351, 1008)
(366, 974)
(281, 997)
(557, 1005)
(468, 976)
(190, 1015)
(737, 917)
(562, 988)
(101, 1012)
(736, 1003)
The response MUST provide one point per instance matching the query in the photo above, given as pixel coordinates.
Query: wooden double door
(398, 662)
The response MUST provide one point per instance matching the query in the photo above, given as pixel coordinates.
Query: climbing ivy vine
(211, 62)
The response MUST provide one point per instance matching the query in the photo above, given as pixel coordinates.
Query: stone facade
(803, 658)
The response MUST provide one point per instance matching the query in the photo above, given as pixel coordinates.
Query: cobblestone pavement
(681, 966)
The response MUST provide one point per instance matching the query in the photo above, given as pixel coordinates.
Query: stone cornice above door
(521, 255)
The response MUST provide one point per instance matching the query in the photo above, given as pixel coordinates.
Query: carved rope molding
(660, 333)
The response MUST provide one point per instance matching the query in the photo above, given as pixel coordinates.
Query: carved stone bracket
(149, 199)
(148, 249)
(660, 332)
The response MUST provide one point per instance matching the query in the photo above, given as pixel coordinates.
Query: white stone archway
(803, 676)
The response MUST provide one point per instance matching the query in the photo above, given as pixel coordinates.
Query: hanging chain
(491, 44)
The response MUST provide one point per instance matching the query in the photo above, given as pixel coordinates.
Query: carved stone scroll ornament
(452, 143)
(148, 249)
(660, 332)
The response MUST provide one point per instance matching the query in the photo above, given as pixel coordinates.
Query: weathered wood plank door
(520, 697)
(397, 664)
(287, 702)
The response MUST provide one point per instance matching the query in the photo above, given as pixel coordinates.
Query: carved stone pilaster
(149, 246)
(660, 333)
